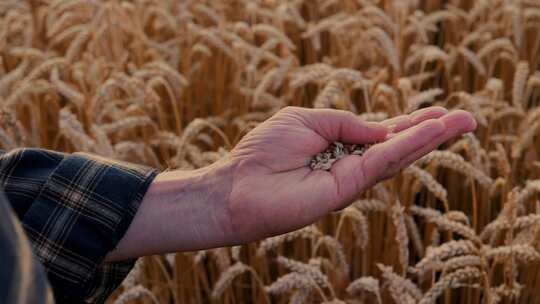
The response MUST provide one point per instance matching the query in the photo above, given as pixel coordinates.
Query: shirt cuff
(83, 210)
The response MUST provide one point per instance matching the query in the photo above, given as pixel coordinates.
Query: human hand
(275, 191)
(266, 186)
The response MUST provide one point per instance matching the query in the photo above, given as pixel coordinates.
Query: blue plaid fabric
(74, 209)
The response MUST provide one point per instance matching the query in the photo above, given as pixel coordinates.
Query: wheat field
(175, 84)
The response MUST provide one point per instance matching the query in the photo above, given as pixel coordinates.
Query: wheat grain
(127, 123)
(456, 227)
(29, 53)
(457, 216)
(519, 223)
(329, 95)
(226, 278)
(520, 81)
(508, 112)
(269, 30)
(473, 59)
(7, 80)
(500, 43)
(289, 282)
(456, 162)
(361, 229)
(44, 67)
(328, 23)
(214, 40)
(76, 45)
(445, 251)
(368, 284)
(450, 280)
(525, 140)
(209, 12)
(532, 187)
(65, 89)
(458, 262)
(425, 212)
(335, 152)
(134, 293)
(426, 54)
(507, 291)
(310, 232)
(429, 182)
(305, 269)
(72, 129)
(522, 252)
(103, 143)
(402, 290)
(386, 45)
(401, 236)
(367, 205)
(300, 296)
(134, 275)
(309, 73)
(414, 102)
(336, 251)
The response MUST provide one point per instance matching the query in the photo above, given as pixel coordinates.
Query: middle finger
(403, 122)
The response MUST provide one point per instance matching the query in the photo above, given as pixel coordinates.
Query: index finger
(338, 125)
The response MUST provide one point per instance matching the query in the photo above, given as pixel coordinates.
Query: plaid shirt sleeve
(75, 208)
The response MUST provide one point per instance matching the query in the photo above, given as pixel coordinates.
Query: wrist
(182, 211)
(197, 203)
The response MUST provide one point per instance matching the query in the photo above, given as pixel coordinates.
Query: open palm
(275, 191)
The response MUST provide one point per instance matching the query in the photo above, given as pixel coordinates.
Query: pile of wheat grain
(175, 84)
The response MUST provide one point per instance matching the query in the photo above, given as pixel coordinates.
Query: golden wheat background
(175, 84)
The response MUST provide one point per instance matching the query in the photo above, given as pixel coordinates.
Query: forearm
(182, 211)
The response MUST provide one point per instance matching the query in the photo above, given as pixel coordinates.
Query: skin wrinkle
(242, 221)
(363, 177)
(197, 196)
(338, 192)
(216, 194)
(237, 216)
(320, 126)
(253, 140)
